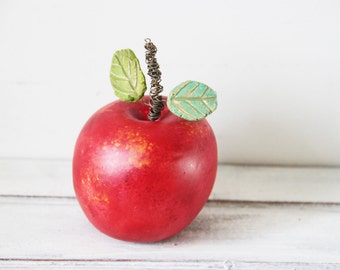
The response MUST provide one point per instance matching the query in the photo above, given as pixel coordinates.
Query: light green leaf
(127, 78)
(192, 100)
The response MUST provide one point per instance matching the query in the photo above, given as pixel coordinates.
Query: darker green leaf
(192, 100)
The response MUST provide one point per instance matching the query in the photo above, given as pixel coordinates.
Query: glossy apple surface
(143, 181)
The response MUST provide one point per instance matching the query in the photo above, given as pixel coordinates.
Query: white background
(274, 64)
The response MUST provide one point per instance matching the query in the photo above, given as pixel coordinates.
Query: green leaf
(192, 100)
(127, 78)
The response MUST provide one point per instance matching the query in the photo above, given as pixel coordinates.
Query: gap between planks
(9, 198)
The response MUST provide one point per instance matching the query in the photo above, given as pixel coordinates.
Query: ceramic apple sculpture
(144, 166)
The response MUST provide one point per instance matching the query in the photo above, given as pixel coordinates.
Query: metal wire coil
(156, 102)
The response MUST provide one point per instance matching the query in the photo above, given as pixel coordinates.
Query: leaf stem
(156, 102)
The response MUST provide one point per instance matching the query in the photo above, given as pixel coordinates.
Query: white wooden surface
(42, 225)
(52, 178)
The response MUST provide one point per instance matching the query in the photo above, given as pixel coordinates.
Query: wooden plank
(34, 177)
(159, 265)
(277, 184)
(55, 229)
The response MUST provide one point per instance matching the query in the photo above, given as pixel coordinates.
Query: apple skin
(140, 180)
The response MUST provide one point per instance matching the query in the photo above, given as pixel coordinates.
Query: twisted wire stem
(156, 102)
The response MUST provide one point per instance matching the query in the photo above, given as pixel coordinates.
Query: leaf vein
(124, 71)
(210, 109)
(183, 98)
(118, 77)
(181, 87)
(195, 108)
(184, 112)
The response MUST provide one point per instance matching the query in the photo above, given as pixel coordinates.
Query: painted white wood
(51, 229)
(166, 265)
(274, 64)
(36, 177)
(277, 184)
(42, 225)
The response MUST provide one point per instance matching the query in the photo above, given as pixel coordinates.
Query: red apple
(141, 180)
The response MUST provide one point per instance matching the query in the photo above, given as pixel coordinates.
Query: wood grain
(159, 265)
(42, 225)
(43, 177)
(48, 229)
